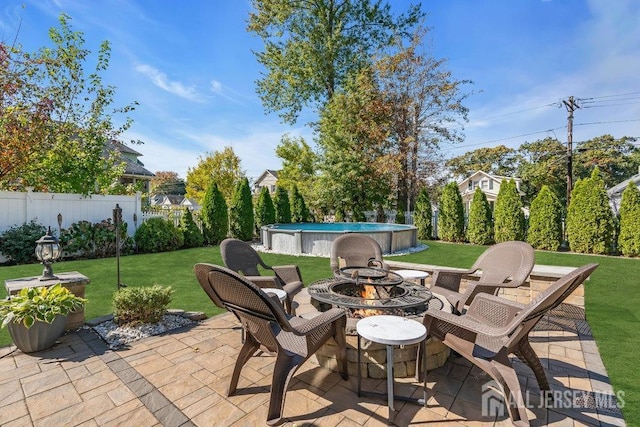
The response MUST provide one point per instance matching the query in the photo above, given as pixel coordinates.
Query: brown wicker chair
(506, 264)
(356, 250)
(292, 339)
(494, 327)
(240, 257)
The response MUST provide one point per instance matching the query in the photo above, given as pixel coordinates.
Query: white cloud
(161, 80)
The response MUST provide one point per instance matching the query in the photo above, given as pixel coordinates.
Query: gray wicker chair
(356, 250)
(292, 339)
(506, 264)
(494, 327)
(240, 257)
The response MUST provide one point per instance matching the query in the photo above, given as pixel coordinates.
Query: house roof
(619, 188)
(266, 172)
(133, 166)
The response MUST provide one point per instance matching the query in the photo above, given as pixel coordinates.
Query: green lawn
(612, 294)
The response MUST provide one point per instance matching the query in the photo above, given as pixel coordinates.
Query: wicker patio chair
(292, 339)
(356, 250)
(240, 257)
(494, 327)
(506, 264)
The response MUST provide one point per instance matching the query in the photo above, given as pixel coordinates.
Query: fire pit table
(367, 291)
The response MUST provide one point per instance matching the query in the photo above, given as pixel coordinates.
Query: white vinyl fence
(16, 208)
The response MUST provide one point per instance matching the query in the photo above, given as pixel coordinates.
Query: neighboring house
(489, 184)
(615, 192)
(269, 179)
(135, 171)
(173, 201)
(190, 204)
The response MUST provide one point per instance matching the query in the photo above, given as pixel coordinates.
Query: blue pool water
(340, 226)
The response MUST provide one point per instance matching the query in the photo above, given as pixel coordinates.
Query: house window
(490, 184)
(484, 184)
(470, 185)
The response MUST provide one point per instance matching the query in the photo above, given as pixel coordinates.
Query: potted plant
(36, 317)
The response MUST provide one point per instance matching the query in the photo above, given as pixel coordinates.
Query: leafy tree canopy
(221, 167)
(168, 182)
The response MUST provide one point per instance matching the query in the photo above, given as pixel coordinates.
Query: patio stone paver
(181, 379)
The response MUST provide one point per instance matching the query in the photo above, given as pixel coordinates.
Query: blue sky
(190, 66)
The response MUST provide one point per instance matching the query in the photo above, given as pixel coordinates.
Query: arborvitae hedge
(214, 215)
(265, 211)
(629, 238)
(589, 217)
(480, 224)
(545, 221)
(423, 215)
(299, 211)
(451, 214)
(241, 212)
(193, 237)
(283, 208)
(508, 218)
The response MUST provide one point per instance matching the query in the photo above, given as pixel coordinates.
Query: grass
(612, 295)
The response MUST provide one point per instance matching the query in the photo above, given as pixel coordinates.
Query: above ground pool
(316, 238)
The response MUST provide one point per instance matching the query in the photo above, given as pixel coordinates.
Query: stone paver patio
(181, 378)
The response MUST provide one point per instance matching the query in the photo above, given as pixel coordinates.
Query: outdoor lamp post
(47, 251)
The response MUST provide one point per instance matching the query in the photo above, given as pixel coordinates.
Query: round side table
(280, 293)
(392, 331)
(412, 275)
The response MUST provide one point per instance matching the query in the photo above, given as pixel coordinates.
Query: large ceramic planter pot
(40, 336)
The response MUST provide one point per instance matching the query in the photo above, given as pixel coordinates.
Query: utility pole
(571, 107)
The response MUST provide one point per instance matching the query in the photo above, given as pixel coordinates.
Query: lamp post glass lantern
(47, 251)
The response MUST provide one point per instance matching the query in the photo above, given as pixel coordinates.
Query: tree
(299, 211)
(427, 105)
(629, 238)
(545, 221)
(56, 120)
(423, 215)
(193, 237)
(241, 223)
(298, 163)
(283, 207)
(214, 215)
(509, 223)
(480, 224)
(357, 162)
(543, 162)
(167, 182)
(451, 214)
(265, 212)
(498, 160)
(614, 158)
(221, 167)
(589, 217)
(312, 48)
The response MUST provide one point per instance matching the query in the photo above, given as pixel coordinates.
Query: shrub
(400, 216)
(451, 214)
(589, 217)
(299, 210)
(86, 240)
(241, 212)
(18, 243)
(215, 216)
(283, 209)
(423, 215)
(132, 306)
(77, 240)
(629, 237)
(480, 225)
(158, 235)
(545, 221)
(508, 218)
(193, 237)
(265, 213)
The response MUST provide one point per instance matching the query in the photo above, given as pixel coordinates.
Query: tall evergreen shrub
(589, 218)
(480, 224)
(629, 238)
(422, 216)
(193, 237)
(241, 212)
(451, 214)
(265, 212)
(508, 217)
(299, 210)
(283, 207)
(545, 221)
(215, 215)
